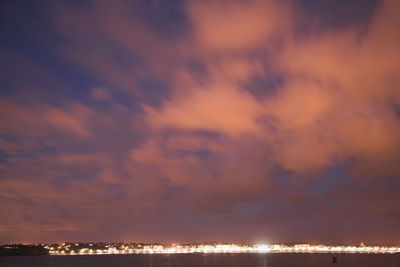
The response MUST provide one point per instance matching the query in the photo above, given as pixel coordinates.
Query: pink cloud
(210, 143)
(238, 24)
(74, 119)
(220, 108)
(334, 105)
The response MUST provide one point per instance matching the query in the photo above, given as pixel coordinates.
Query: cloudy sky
(187, 121)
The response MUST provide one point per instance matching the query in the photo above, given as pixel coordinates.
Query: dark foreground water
(207, 260)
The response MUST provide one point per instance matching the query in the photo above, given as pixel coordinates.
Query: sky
(191, 121)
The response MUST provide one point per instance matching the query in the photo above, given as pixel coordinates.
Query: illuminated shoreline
(113, 249)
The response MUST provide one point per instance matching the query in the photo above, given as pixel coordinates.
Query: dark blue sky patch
(153, 91)
(334, 15)
(332, 177)
(167, 18)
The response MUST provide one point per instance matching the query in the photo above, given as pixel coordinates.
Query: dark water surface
(207, 260)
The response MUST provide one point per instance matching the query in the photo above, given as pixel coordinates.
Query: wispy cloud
(195, 115)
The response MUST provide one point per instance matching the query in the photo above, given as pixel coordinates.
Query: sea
(207, 260)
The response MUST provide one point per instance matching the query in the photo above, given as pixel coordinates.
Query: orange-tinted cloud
(17, 118)
(220, 108)
(335, 104)
(238, 25)
(239, 109)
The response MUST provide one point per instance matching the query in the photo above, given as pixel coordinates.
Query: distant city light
(99, 249)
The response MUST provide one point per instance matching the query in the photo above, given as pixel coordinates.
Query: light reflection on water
(263, 260)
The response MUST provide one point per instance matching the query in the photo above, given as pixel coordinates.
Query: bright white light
(263, 248)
